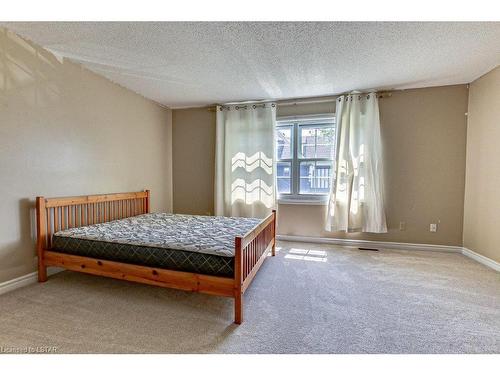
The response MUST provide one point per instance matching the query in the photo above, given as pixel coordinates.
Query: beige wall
(424, 134)
(482, 187)
(295, 109)
(67, 131)
(193, 161)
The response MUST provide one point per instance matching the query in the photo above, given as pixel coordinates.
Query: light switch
(433, 228)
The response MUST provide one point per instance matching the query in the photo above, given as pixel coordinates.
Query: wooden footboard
(250, 252)
(55, 214)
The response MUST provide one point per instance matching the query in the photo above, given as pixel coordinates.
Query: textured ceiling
(182, 64)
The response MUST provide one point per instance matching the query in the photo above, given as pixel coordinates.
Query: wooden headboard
(55, 214)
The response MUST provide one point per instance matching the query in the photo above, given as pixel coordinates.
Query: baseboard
(21, 281)
(395, 246)
(481, 259)
(375, 244)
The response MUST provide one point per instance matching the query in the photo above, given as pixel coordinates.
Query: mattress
(200, 244)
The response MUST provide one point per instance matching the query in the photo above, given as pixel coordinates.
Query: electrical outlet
(433, 228)
(402, 225)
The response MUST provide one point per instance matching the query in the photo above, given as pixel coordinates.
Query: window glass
(305, 150)
(284, 177)
(284, 142)
(316, 142)
(315, 177)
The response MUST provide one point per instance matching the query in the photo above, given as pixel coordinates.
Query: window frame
(296, 123)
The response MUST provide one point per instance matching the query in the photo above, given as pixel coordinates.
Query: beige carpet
(308, 299)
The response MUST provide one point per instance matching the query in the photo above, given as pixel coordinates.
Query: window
(305, 150)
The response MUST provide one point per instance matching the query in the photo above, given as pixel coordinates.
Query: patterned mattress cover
(202, 244)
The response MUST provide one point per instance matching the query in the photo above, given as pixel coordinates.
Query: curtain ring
(368, 97)
(273, 105)
(254, 106)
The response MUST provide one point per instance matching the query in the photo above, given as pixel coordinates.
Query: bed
(115, 235)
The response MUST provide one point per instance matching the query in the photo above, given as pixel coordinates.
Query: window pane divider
(314, 159)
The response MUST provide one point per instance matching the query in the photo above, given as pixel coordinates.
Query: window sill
(303, 202)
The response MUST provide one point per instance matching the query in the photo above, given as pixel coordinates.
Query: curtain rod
(312, 100)
(245, 106)
(326, 99)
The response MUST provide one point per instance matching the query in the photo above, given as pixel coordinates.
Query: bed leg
(42, 272)
(41, 237)
(238, 308)
(273, 249)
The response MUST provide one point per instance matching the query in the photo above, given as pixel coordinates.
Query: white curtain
(244, 170)
(356, 202)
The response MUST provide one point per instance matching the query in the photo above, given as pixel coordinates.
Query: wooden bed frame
(55, 214)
